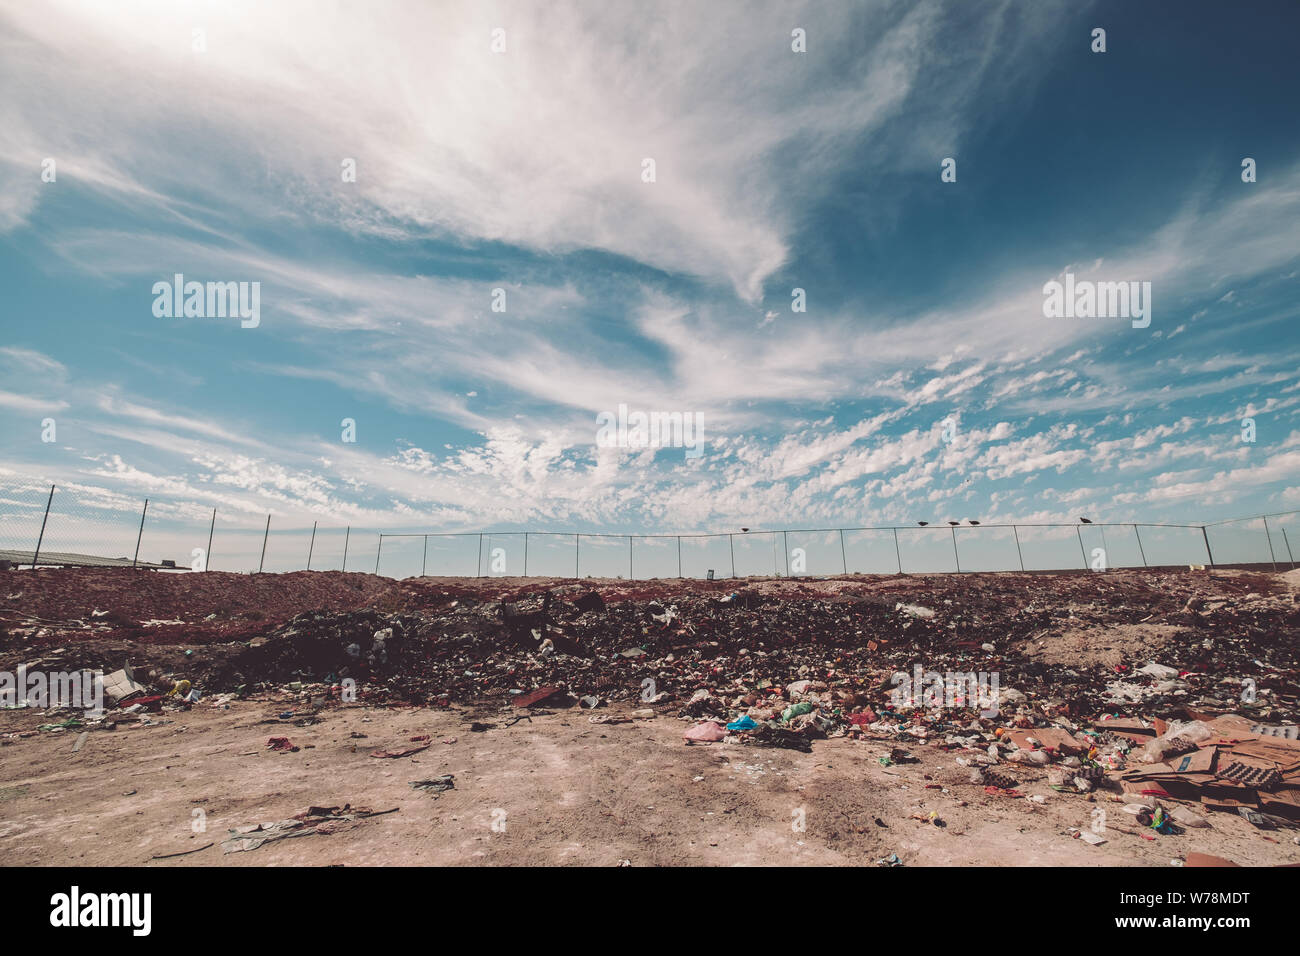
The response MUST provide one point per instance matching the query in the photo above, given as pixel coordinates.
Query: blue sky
(775, 170)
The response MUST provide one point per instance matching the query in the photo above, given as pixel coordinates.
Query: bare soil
(561, 790)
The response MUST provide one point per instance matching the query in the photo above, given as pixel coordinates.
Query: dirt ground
(558, 788)
(602, 787)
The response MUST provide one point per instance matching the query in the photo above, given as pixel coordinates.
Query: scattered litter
(314, 820)
(400, 752)
(708, 732)
(168, 856)
(436, 785)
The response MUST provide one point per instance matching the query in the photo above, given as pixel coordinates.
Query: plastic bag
(1180, 738)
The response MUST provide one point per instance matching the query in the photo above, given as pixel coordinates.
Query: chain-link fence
(79, 525)
(1260, 541)
(1273, 539)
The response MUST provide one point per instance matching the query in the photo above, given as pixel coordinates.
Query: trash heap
(786, 662)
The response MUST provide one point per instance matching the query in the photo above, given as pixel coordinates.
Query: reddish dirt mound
(213, 607)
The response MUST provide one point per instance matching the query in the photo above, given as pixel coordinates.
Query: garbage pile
(775, 662)
(833, 653)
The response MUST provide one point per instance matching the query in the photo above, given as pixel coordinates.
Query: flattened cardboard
(121, 685)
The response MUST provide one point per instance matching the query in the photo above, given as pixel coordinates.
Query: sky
(462, 251)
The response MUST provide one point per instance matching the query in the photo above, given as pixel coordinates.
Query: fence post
(629, 557)
(843, 560)
(955, 557)
(140, 534)
(378, 551)
(1289, 555)
(525, 554)
(1270, 543)
(785, 546)
(1078, 529)
(679, 556)
(37, 556)
(207, 556)
(478, 568)
(311, 547)
(424, 560)
(576, 550)
(897, 553)
(266, 534)
(346, 535)
(1142, 551)
(1208, 553)
(731, 539)
(1020, 554)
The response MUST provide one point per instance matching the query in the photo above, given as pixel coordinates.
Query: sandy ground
(559, 789)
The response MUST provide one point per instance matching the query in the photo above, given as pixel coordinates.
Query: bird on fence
(1085, 520)
(923, 523)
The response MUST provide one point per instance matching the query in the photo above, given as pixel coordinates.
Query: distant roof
(66, 559)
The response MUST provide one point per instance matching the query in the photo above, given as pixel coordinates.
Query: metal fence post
(679, 556)
(1141, 550)
(424, 560)
(955, 557)
(731, 539)
(1289, 555)
(1020, 554)
(629, 557)
(897, 553)
(311, 547)
(346, 535)
(1208, 553)
(140, 534)
(378, 551)
(785, 546)
(577, 546)
(843, 560)
(525, 554)
(266, 534)
(207, 555)
(1270, 543)
(478, 568)
(41, 537)
(1078, 529)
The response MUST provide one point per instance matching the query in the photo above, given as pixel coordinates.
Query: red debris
(537, 696)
